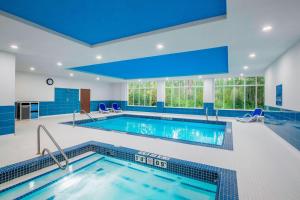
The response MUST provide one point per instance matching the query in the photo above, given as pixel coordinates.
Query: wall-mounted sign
(279, 95)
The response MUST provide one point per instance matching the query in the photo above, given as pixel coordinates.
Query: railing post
(39, 140)
(74, 118)
(217, 115)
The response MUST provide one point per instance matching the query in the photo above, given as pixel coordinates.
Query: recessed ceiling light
(59, 64)
(252, 55)
(32, 68)
(241, 74)
(267, 28)
(245, 67)
(14, 46)
(71, 74)
(160, 46)
(199, 77)
(98, 78)
(98, 57)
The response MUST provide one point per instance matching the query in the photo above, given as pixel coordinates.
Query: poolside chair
(102, 108)
(254, 116)
(116, 107)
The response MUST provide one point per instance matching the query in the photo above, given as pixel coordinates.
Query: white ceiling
(241, 31)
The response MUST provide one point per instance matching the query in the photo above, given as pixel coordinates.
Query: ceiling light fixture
(13, 46)
(245, 67)
(267, 28)
(32, 68)
(98, 57)
(252, 55)
(71, 74)
(59, 64)
(160, 46)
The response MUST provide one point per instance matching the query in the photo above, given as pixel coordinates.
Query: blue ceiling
(98, 21)
(200, 62)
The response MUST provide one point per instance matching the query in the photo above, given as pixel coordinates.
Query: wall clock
(50, 81)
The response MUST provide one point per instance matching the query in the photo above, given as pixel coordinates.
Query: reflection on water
(181, 130)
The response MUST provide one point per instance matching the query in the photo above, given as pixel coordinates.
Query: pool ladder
(217, 114)
(45, 150)
(82, 111)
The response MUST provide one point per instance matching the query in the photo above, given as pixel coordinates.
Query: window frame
(139, 88)
(234, 86)
(179, 87)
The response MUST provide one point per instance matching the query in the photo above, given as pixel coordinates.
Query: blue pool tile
(227, 140)
(7, 120)
(224, 178)
(284, 123)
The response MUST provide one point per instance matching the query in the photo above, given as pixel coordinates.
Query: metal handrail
(206, 113)
(87, 114)
(47, 150)
(217, 115)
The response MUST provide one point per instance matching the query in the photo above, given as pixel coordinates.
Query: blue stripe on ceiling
(97, 21)
(207, 61)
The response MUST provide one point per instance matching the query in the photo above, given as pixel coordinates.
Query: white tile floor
(267, 166)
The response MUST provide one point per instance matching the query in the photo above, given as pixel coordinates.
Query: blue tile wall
(66, 101)
(285, 123)
(160, 108)
(7, 120)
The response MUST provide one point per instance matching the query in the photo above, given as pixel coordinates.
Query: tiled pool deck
(267, 167)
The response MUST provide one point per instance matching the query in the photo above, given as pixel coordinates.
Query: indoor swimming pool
(179, 130)
(102, 177)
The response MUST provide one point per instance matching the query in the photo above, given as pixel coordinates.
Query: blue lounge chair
(254, 116)
(116, 107)
(102, 108)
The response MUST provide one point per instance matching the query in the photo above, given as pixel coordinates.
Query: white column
(160, 91)
(208, 91)
(7, 79)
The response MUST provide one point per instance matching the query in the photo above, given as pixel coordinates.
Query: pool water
(172, 129)
(102, 177)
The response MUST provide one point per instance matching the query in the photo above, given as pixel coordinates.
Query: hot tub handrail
(82, 111)
(45, 150)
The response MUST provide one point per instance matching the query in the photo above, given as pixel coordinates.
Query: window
(142, 93)
(184, 93)
(239, 93)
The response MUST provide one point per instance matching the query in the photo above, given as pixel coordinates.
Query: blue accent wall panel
(66, 100)
(7, 120)
(279, 95)
(98, 21)
(191, 111)
(285, 123)
(203, 61)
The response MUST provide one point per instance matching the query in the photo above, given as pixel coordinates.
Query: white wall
(33, 87)
(7, 79)
(285, 71)
(208, 91)
(119, 91)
